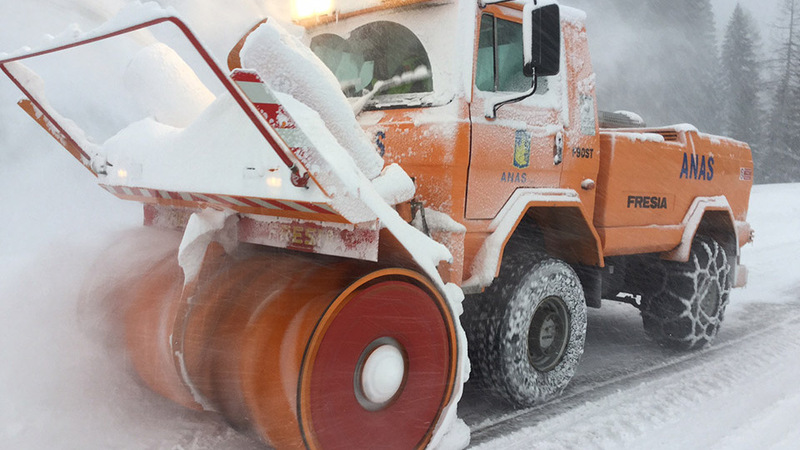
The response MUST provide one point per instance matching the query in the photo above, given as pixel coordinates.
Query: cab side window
(484, 70)
(499, 65)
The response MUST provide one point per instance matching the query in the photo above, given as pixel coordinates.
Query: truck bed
(649, 178)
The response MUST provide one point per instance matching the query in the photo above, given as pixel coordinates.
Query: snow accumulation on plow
(269, 153)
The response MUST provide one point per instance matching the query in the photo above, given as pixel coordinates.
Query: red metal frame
(285, 154)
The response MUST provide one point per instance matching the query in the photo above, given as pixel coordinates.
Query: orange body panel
(435, 154)
(645, 187)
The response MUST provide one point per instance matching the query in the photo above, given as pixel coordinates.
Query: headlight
(308, 8)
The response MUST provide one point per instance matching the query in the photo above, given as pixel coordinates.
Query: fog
(659, 59)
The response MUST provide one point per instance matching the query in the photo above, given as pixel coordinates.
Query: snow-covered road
(741, 392)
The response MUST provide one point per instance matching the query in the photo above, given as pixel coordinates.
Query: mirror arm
(492, 114)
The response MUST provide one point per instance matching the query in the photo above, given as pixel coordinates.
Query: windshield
(383, 56)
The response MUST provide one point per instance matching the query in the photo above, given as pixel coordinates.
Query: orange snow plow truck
(369, 191)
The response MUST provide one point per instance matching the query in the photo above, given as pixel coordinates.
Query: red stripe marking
(223, 201)
(279, 204)
(248, 202)
(315, 208)
(245, 75)
(276, 115)
(318, 208)
(217, 199)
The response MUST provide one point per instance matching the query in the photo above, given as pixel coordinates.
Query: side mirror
(541, 29)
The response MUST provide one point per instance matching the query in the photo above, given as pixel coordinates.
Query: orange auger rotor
(302, 350)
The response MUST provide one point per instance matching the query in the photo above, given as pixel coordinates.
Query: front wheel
(527, 332)
(686, 301)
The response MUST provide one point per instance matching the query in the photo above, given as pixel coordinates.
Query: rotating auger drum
(304, 350)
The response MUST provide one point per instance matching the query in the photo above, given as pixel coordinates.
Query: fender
(695, 216)
(549, 208)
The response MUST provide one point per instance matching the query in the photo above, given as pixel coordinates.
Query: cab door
(522, 146)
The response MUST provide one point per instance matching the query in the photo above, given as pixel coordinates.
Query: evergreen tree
(784, 123)
(741, 79)
(687, 34)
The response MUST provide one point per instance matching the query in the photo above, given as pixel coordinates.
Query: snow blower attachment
(358, 349)
(314, 351)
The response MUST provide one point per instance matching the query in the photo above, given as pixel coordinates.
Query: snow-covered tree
(741, 79)
(784, 117)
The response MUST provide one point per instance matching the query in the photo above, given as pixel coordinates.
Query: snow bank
(774, 213)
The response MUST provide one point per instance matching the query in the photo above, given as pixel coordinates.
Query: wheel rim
(380, 374)
(382, 364)
(548, 334)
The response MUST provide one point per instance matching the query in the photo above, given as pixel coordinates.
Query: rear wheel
(527, 332)
(684, 302)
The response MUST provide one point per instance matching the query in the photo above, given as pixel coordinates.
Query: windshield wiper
(418, 74)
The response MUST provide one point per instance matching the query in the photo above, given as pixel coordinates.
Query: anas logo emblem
(522, 149)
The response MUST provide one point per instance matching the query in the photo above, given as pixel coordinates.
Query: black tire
(684, 303)
(527, 331)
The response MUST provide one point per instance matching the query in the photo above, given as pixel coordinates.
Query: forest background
(672, 62)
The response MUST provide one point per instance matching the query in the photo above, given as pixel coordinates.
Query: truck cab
(474, 154)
